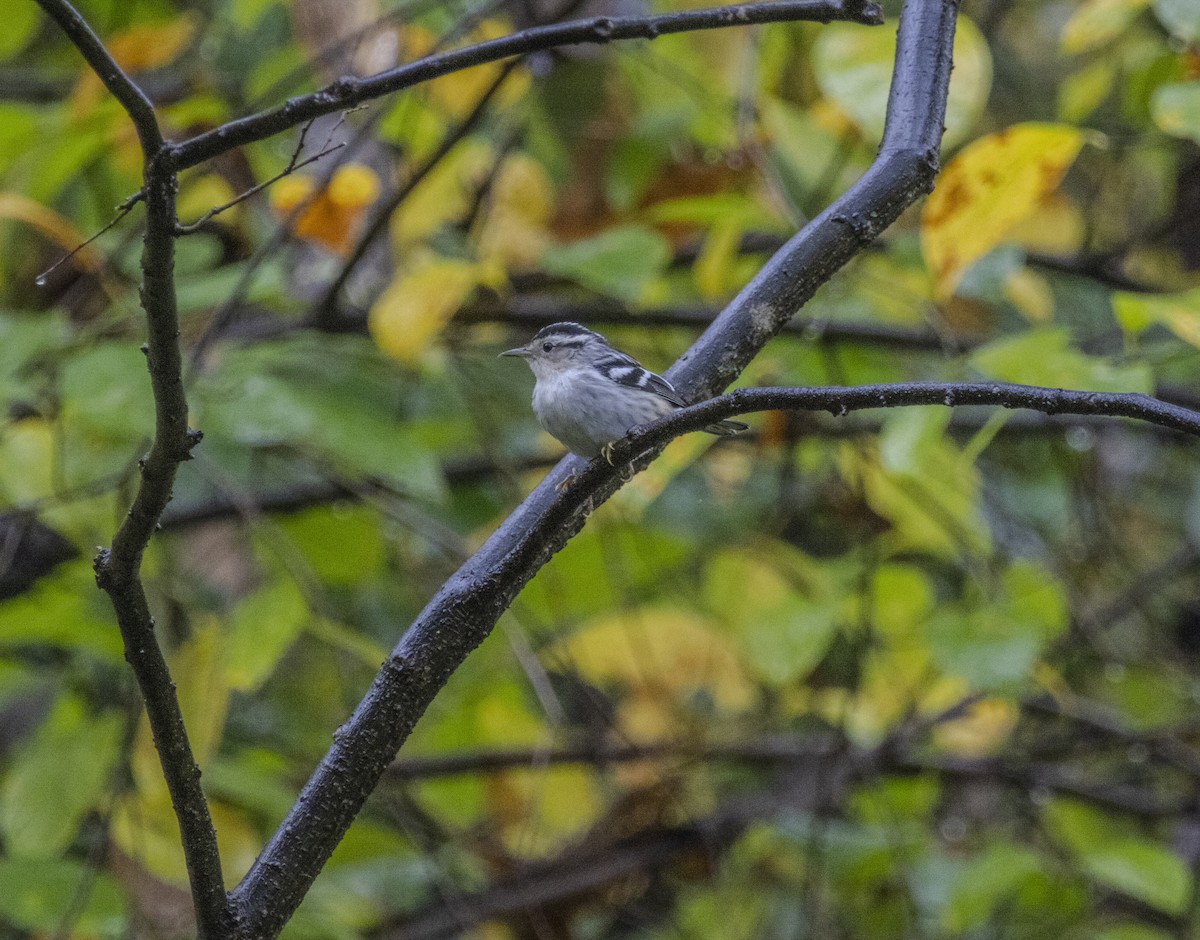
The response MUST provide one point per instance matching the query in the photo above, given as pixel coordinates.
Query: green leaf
(784, 628)
(18, 132)
(1181, 17)
(1180, 313)
(853, 67)
(39, 815)
(1046, 357)
(1080, 827)
(902, 597)
(65, 610)
(1096, 22)
(1130, 931)
(262, 627)
(987, 881)
(334, 400)
(23, 338)
(1175, 108)
(39, 894)
(106, 392)
(1083, 91)
(1144, 870)
(20, 23)
(620, 262)
(992, 642)
(341, 545)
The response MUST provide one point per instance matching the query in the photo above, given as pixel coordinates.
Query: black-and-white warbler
(589, 395)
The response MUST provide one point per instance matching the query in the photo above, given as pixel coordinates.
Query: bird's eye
(546, 347)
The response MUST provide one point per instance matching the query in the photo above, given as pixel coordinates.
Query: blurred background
(915, 673)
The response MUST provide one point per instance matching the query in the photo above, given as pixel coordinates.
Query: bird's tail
(727, 428)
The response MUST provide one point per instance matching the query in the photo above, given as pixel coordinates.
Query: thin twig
(122, 210)
(349, 91)
(191, 227)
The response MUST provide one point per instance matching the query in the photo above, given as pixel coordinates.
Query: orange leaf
(332, 216)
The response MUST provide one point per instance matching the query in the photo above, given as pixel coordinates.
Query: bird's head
(559, 348)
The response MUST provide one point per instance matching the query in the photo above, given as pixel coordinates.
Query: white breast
(586, 411)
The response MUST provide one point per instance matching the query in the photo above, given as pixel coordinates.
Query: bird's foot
(607, 453)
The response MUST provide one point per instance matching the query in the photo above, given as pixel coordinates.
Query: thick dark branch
(118, 569)
(348, 92)
(465, 610)
(132, 99)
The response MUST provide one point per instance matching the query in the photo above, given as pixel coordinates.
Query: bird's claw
(607, 453)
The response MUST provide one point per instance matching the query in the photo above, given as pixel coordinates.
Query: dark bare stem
(347, 92)
(122, 210)
(465, 610)
(118, 568)
(191, 227)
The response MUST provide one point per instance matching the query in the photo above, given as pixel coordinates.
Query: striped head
(561, 347)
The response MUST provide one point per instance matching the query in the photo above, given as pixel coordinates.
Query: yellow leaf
(1096, 22)
(983, 730)
(538, 810)
(1180, 313)
(648, 485)
(1083, 91)
(664, 654)
(1056, 226)
(513, 233)
(717, 260)
(1030, 293)
(50, 224)
(203, 193)
(444, 195)
(986, 190)
(413, 309)
(27, 456)
(144, 825)
(459, 92)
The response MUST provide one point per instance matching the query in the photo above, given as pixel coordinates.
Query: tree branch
(839, 401)
(118, 568)
(349, 91)
(468, 605)
(120, 85)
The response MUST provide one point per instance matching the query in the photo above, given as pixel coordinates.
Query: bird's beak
(520, 352)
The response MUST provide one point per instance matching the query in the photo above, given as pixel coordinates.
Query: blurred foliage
(902, 674)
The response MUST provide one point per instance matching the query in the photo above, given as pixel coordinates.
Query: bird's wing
(625, 370)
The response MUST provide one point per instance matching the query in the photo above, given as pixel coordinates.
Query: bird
(588, 394)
